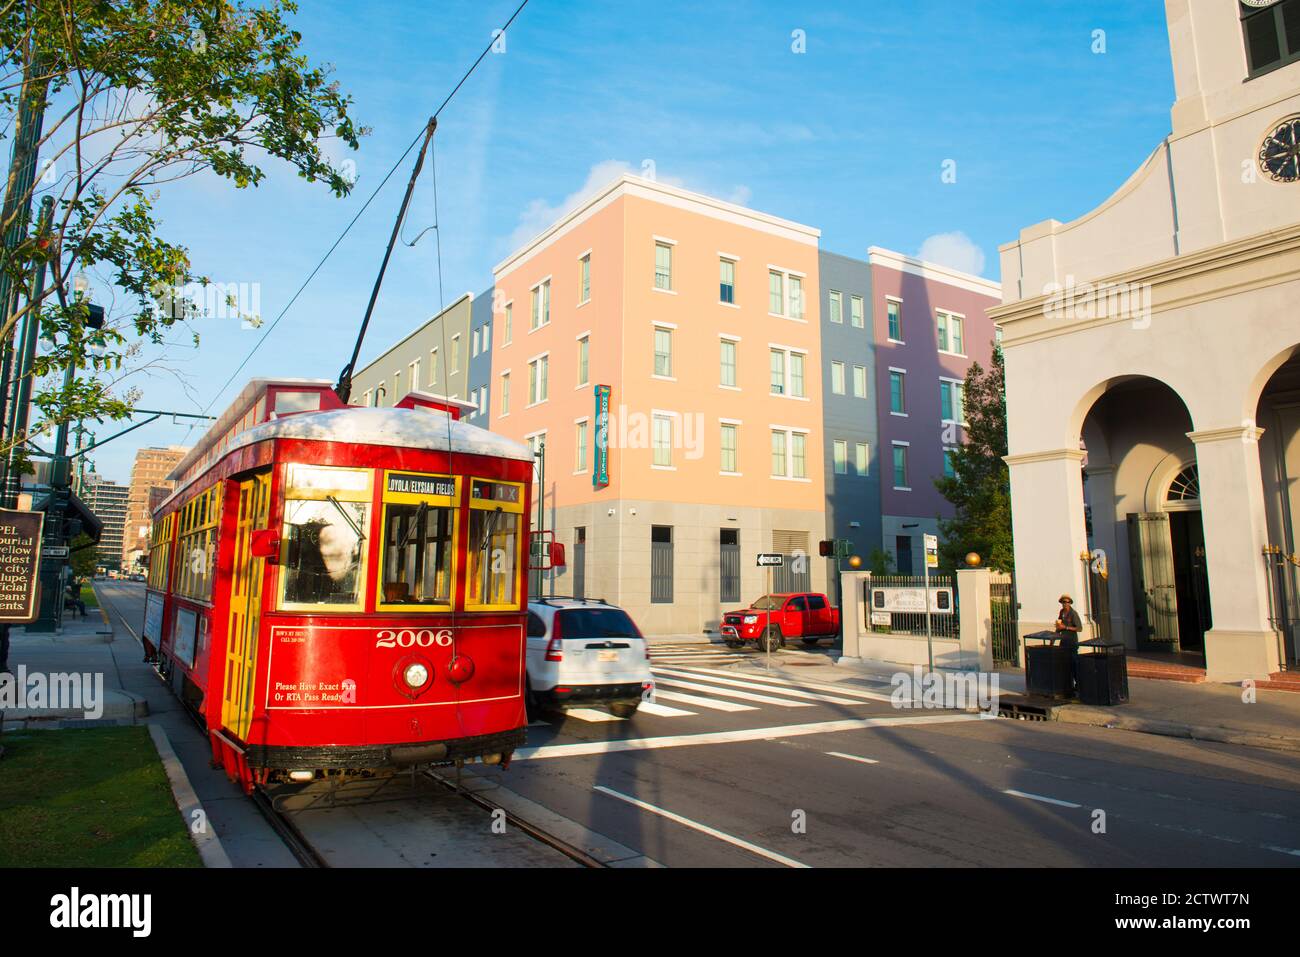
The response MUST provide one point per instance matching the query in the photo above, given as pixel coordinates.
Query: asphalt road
(737, 766)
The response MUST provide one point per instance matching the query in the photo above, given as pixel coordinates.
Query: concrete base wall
(618, 557)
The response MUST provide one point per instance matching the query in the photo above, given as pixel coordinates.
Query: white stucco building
(1153, 346)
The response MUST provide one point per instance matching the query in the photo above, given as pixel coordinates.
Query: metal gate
(1284, 602)
(580, 562)
(729, 571)
(1005, 619)
(1155, 595)
(796, 574)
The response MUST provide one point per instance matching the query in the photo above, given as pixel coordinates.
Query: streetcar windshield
(494, 558)
(418, 548)
(323, 551)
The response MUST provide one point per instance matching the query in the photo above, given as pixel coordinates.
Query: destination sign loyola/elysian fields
(412, 484)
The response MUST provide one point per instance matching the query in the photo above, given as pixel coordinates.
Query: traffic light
(95, 316)
(826, 549)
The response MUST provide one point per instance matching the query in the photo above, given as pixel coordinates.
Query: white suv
(581, 652)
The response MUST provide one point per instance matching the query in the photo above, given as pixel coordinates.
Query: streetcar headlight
(751, 619)
(416, 675)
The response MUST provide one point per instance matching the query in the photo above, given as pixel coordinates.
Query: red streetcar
(336, 589)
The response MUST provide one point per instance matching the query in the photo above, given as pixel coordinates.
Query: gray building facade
(849, 413)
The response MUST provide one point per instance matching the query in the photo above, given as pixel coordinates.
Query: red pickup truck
(774, 618)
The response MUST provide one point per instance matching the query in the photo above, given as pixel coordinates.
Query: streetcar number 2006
(412, 639)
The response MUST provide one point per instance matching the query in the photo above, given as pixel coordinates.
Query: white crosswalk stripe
(662, 710)
(731, 693)
(811, 685)
(700, 702)
(793, 692)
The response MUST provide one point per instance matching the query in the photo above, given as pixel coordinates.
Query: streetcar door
(245, 608)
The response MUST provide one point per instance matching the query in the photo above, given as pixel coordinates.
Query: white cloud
(955, 250)
(539, 214)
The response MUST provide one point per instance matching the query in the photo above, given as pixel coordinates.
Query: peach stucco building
(702, 319)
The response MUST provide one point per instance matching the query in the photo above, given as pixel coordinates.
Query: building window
(949, 463)
(728, 443)
(663, 266)
(900, 467)
(952, 401)
(728, 348)
(433, 368)
(950, 337)
(1272, 35)
(837, 307)
(837, 377)
(414, 370)
(661, 564)
(580, 457)
(841, 457)
(855, 312)
(789, 454)
(860, 382)
(729, 564)
(796, 297)
(860, 458)
(663, 441)
(474, 344)
(505, 395)
(584, 279)
(778, 372)
(796, 375)
(895, 310)
(584, 347)
(663, 352)
(365, 399)
(487, 336)
(897, 392)
(510, 321)
(541, 305)
(776, 293)
(726, 281)
(538, 373)
(778, 453)
(455, 355)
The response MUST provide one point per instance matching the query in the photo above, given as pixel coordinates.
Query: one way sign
(768, 560)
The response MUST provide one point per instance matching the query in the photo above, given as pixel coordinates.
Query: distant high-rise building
(152, 466)
(108, 501)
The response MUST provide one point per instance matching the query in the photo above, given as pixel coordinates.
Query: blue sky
(850, 136)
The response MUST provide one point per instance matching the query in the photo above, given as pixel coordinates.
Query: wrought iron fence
(1005, 617)
(883, 594)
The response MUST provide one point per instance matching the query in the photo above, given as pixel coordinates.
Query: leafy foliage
(980, 487)
(136, 94)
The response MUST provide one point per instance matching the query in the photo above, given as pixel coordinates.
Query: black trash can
(1048, 666)
(1103, 673)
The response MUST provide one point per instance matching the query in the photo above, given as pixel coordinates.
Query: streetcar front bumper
(383, 756)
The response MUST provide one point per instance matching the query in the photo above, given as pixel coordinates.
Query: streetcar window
(493, 550)
(326, 522)
(418, 549)
(324, 546)
(494, 545)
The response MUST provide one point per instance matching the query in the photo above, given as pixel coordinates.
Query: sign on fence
(903, 601)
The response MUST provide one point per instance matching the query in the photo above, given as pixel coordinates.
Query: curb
(205, 840)
(1172, 729)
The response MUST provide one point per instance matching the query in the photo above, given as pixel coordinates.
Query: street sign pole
(767, 632)
(931, 558)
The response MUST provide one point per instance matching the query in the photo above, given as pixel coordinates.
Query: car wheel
(624, 709)
(775, 640)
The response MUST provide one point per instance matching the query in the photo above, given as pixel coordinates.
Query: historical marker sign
(20, 561)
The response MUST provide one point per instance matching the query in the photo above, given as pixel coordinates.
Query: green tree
(84, 557)
(980, 487)
(135, 95)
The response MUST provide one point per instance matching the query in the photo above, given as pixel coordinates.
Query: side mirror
(265, 544)
(557, 554)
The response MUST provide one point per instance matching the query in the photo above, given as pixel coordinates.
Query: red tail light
(555, 647)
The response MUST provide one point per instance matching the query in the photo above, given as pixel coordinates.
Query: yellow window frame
(200, 519)
(293, 491)
(471, 553)
(418, 498)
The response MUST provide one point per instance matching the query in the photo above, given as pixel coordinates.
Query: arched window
(1185, 489)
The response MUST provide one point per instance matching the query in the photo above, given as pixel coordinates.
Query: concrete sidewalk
(1202, 712)
(133, 694)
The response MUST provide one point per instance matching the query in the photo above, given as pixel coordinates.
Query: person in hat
(1068, 626)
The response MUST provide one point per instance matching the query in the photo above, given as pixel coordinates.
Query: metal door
(245, 609)
(1155, 595)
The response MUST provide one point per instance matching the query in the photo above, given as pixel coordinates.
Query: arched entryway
(1278, 416)
(1142, 491)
